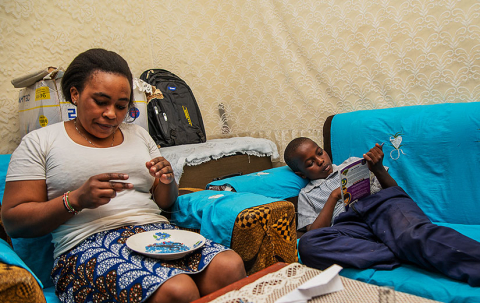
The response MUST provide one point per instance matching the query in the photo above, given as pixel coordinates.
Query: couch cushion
(4, 160)
(50, 295)
(8, 256)
(414, 280)
(214, 212)
(279, 182)
(437, 161)
(471, 231)
(36, 253)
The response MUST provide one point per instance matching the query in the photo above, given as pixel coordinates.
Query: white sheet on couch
(195, 154)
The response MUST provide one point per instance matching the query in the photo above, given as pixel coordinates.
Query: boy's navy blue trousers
(387, 229)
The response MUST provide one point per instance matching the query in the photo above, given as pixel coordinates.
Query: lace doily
(196, 154)
(142, 85)
(277, 284)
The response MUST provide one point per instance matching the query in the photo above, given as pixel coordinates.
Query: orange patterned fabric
(17, 285)
(266, 234)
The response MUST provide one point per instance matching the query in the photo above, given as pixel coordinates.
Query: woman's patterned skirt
(103, 269)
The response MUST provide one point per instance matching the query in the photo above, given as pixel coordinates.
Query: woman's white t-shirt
(50, 154)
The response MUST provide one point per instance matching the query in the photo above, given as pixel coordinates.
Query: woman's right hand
(98, 190)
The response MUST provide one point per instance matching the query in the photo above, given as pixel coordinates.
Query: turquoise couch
(433, 152)
(35, 264)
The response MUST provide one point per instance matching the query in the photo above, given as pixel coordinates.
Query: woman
(89, 182)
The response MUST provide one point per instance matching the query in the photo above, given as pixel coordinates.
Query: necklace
(75, 123)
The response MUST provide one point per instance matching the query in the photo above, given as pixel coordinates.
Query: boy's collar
(317, 182)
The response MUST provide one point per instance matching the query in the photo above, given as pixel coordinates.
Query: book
(355, 182)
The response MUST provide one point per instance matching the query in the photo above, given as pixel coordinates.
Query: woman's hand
(164, 190)
(160, 168)
(98, 190)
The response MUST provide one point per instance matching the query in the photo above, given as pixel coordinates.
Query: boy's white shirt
(312, 198)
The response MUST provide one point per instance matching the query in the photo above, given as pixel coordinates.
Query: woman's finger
(166, 178)
(111, 176)
(119, 186)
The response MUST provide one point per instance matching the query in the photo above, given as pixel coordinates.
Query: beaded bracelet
(67, 204)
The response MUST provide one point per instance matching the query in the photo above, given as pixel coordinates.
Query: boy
(380, 231)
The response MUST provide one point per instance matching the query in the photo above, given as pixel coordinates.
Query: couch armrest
(8, 256)
(19, 285)
(262, 235)
(266, 234)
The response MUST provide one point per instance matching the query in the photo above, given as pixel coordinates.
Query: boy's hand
(336, 194)
(374, 158)
(324, 218)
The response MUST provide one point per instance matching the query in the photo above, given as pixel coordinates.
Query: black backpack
(175, 119)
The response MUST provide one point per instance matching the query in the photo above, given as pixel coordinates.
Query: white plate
(167, 241)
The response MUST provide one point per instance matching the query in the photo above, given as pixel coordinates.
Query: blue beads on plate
(166, 247)
(161, 236)
(197, 244)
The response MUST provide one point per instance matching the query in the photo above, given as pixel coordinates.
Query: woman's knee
(225, 268)
(180, 288)
(229, 265)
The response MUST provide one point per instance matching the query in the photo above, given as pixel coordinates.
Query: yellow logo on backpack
(187, 115)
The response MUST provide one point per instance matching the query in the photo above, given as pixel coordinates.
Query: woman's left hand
(160, 168)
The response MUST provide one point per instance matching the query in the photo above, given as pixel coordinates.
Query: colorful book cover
(355, 182)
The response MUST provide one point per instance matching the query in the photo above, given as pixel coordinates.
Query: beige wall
(279, 67)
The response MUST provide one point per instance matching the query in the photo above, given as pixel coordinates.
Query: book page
(355, 182)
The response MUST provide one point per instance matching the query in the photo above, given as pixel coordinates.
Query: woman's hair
(89, 62)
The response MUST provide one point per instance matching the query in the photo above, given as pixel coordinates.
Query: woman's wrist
(165, 193)
(66, 203)
(70, 202)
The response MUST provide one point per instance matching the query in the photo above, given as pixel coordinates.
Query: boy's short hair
(290, 152)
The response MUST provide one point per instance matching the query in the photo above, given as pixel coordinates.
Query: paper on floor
(326, 282)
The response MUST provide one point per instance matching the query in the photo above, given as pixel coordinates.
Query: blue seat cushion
(35, 253)
(214, 212)
(279, 182)
(414, 280)
(4, 160)
(50, 295)
(8, 256)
